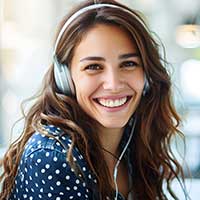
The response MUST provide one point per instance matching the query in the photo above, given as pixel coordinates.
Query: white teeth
(112, 103)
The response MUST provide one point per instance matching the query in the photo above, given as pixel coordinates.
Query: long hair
(157, 121)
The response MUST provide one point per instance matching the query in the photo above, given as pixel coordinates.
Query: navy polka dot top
(45, 174)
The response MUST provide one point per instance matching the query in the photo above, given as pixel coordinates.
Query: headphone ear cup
(146, 86)
(63, 78)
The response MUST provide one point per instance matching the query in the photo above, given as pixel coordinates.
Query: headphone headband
(83, 10)
(62, 75)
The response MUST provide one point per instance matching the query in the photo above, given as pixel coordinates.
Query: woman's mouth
(112, 103)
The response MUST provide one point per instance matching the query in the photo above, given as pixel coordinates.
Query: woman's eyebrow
(93, 58)
(98, 58)
(129, 55)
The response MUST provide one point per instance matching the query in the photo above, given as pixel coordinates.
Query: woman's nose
(113, 81)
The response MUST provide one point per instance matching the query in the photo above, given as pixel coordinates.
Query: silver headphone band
(81, 11)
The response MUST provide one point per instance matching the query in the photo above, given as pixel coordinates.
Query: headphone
(62, 74)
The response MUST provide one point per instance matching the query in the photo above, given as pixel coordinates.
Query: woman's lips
(112, 102)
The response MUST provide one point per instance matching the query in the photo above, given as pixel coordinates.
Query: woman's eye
(129, 64)
(93, 67)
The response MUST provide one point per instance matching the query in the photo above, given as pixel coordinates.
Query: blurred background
(27, 34)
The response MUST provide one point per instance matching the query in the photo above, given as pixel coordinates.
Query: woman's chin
(113, 124)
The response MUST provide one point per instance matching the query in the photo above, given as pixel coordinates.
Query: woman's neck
(110, 139)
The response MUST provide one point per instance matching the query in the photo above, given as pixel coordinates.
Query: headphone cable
(113, 155)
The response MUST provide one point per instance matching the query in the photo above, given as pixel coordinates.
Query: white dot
(89, 176)
(67, 188)
(57, 171)
(51, 188)
(57, 143)
(58, 198)
(84, 169)
(74, 159)
(49, 195)
(80, 157)
(64, 165)
(72, 169)
(64, 151)
(67, 177)
(50, 177)
(75, 187)
(71, 197)
(47, 154)
(47, 166)
(39, 160)
(43, 171)
(79, 194)
(63, 137)
(22, 177)
(55, 159)
(77, 181)
(69, 145)
(58, 183)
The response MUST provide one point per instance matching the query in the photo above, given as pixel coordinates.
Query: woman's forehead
(103, 38)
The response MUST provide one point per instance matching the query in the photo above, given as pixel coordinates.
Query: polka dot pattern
(45, 174)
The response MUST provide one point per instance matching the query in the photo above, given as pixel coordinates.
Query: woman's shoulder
(44, 169)
(52, 141)
(53, 145)
(51, 138)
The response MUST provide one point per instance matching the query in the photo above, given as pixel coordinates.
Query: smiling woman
(103, 121)
(108, 76)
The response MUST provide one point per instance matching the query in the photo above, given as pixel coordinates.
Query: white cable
(119, 160)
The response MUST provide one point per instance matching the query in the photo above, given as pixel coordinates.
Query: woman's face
(108, 76)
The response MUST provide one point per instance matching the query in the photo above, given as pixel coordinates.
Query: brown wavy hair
(157, 121)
